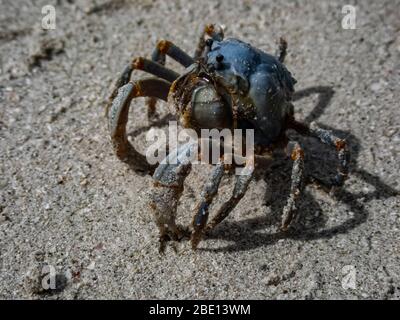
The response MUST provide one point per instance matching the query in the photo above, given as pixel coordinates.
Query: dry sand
(67, 202)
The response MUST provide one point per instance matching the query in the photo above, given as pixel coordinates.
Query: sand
(68, 205)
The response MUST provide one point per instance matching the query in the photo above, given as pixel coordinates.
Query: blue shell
(264, 84)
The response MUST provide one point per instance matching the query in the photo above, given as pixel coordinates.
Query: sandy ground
(67, 202)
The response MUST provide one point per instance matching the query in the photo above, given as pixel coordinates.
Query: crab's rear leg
(118, 118)
(166, 48)
(168, 187)
(327, 137)
(145, 65)
(282, 50)
(340, 145)
(290, 209)
(241, 185)
(154, 66)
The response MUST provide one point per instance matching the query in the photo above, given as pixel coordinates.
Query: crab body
(262, 84)
(235, 85)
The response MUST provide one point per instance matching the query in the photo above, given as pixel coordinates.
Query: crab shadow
(320, 163)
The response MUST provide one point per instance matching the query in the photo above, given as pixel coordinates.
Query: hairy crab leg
(118, 118)
(240, 188)
(290, 209)
(207, 196)
(168, 187)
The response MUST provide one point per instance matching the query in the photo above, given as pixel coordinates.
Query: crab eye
(208, 109)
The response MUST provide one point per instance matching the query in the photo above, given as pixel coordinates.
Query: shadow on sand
(320, 163)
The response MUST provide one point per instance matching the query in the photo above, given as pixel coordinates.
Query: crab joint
(136, 90)
(163, 46)
(340, 144)
(297, 153)
(138, 63)
(209, 29)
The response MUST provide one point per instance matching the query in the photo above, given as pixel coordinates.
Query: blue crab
(226, 84)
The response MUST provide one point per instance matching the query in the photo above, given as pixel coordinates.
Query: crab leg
(143, 64)
(327, 137)
(340, 145)
(290, 210)
(118, 117)
(282, 50)
(207, 196)
(168, 182)
(167, 48)
(241, 185)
